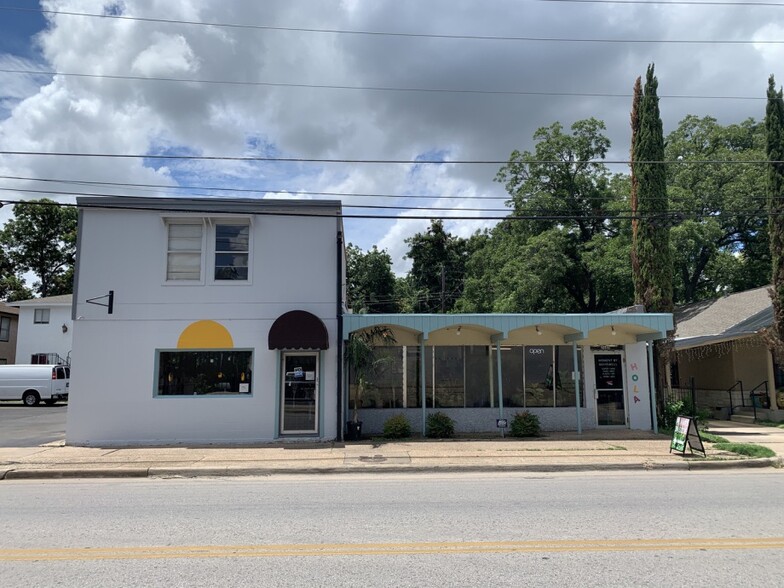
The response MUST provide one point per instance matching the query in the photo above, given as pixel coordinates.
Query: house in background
(9, 322)
(206, 320)
(718, 348)
(45, 330)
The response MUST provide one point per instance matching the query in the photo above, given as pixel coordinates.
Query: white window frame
(169, 222)
(44, 313)
(5, 328)
(207, 267)
(244, 221)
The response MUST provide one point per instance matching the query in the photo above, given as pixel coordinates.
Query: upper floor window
(227, 249)
(41, 316)
(231, 251)
(5, 328)
(183, 259)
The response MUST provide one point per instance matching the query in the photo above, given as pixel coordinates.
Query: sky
(390, 80)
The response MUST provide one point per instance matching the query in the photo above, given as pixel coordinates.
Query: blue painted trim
(423, 384)
(320, 431)
(278, 391)
(576, 366)
(500, 380)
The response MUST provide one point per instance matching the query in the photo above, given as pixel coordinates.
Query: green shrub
(525, 424)
(440, 426)
(675, 408)
(397, 427)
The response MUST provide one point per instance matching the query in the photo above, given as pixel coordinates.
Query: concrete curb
(58, 473)
(238, 471)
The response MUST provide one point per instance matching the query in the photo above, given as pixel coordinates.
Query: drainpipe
(339, 280)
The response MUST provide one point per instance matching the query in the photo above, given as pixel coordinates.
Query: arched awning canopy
(298, 329)
(516, 329)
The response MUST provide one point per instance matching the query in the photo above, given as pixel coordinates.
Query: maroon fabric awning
(298, 329)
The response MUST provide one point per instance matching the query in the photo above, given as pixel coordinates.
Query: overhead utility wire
(385, 161)
(667, 217)
(393, 33)
(293, 192)
(254, 191)
(368, 206)
(369, 88)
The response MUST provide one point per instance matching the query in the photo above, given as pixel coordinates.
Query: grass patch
(771, 424)
(747, 449)
(711, 438)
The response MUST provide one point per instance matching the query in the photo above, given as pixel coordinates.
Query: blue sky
(297, 100)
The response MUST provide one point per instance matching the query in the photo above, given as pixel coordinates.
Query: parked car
(32, 383)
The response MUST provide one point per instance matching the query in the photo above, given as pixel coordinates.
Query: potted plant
(363, 362)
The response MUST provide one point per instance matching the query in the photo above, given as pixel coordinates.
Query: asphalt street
(28, 426)
(601, 529)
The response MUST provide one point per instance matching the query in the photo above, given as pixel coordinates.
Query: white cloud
(78, 114)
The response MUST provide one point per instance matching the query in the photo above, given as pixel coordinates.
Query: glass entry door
(299, 397)
(610, 394)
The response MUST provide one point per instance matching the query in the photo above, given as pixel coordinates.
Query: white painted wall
(113, 382)
(636, 382)
(44, 338)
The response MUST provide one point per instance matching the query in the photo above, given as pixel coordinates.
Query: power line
(363, 206)
(388, 161)
(670, 217)
(405, 35)
(293, 192)
(543, 93)
(253, 191)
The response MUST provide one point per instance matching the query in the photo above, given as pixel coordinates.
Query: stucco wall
(293, 266)
(44, 338)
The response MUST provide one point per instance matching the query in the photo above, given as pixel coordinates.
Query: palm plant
(364, 362)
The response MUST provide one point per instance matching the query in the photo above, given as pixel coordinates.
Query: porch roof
(515, 329)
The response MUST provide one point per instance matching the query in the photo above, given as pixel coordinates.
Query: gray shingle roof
(62, 299)
(730, 317)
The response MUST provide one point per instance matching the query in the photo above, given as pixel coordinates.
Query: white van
(34, 383)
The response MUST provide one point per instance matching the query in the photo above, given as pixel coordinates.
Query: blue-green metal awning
(516, 329)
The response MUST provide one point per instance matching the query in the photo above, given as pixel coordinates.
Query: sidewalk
(591, 451)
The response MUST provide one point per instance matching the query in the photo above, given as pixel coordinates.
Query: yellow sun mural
(205, 335)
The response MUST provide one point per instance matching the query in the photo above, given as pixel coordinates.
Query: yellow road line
(354, 549)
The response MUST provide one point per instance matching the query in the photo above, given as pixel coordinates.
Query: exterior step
(743, 418)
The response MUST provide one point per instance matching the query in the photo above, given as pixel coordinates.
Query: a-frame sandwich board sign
(686, 433)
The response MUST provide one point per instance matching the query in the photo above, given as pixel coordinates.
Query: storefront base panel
(479, 420)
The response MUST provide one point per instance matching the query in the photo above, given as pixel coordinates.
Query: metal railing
(737, 384)
(759, 399)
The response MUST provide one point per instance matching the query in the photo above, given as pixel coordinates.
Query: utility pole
(443, 288)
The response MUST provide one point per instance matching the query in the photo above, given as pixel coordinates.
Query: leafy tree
(653, 281)
(371, 283)
(438, 266)
(12, 287)
(41, 238)
(774, 130)
(568, 255)
(719, 243)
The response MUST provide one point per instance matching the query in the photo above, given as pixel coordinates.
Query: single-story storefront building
(574, 371)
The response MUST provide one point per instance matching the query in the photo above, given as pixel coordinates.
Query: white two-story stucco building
(222, 320)
(205, 320)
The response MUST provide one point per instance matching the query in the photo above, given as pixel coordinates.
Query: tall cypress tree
(774, 127)
(635, 122)
(653, 280)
